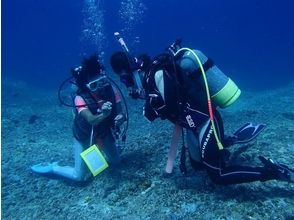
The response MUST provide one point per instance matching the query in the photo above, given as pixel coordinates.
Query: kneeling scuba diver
(186, 87)
(98, 122)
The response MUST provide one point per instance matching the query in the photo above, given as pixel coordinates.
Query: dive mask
(97, 83)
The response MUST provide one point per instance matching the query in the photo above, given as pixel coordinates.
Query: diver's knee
(81, 177)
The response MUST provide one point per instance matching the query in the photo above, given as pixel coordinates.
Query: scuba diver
(97, 112)
(186, 87)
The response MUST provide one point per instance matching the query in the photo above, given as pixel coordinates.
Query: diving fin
(43, 168)
(281, 171)
(244, 134)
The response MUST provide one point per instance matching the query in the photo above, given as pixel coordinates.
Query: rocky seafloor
(35, 128)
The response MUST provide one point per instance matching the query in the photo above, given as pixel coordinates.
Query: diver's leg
(107, 144)
(82, 172)
(214, 160)
(242, 174)
(238, 174)
(194, 150)
(78, 173)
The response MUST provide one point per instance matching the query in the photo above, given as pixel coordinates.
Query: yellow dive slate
(94, 160)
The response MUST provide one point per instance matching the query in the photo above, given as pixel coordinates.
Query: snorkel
(137, 90)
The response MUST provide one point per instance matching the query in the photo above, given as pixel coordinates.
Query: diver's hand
(106, 109)
(119, 119)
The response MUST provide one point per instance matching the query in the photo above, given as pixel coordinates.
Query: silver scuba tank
(223, 90)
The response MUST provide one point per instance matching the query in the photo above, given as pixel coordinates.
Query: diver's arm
(173, 149)
(97, 118)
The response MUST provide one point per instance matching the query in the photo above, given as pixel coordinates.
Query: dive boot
(282, 171)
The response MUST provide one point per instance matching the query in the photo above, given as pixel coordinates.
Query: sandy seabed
(35, 128)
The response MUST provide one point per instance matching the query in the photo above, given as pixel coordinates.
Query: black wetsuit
(212, 159)
(162, 100)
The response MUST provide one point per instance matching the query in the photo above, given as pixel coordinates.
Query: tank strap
(206, 66)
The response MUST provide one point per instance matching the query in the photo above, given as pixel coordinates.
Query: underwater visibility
(133, 109)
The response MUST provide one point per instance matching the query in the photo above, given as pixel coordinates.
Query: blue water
(251, 41)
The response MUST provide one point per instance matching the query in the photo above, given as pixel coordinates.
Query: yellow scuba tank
(223, 90)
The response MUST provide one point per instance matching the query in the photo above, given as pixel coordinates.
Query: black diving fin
(244, 134)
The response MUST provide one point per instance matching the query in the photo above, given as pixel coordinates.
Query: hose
(209, 103)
